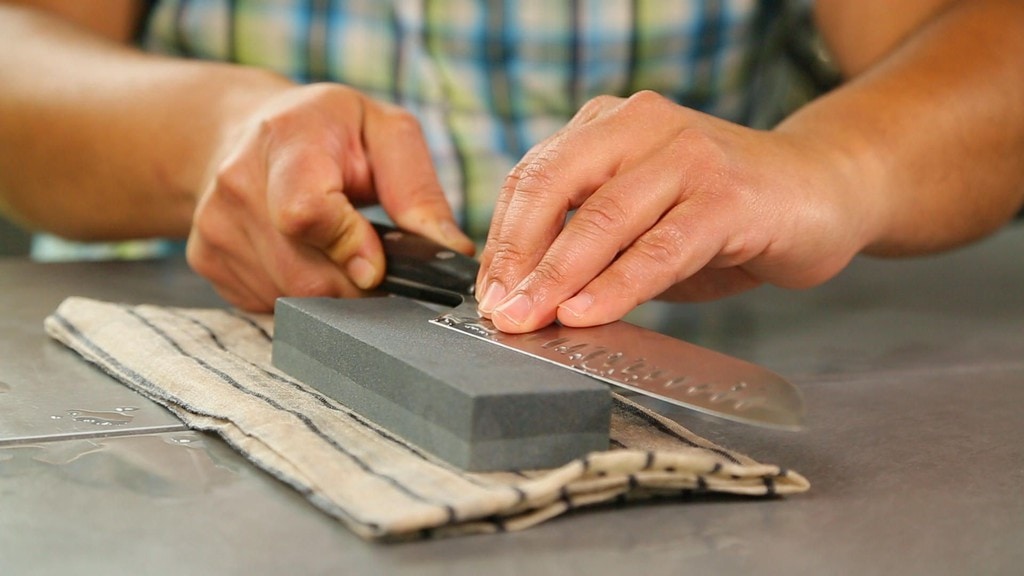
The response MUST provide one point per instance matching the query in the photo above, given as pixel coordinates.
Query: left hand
(278, 217)
(670, 202)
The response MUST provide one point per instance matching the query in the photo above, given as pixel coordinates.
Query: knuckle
(233, 181)
(200, 258)
(736, 250)
(646, 101)
(528, 167)
(325, 91)
(601, 216)
(506, 263)
(210, 234)
(700, 147)
(660, 246)
(401, 124)
(275, 125)
(315, 94)
(538, 176)
(296, 216)
(508, 187)
(308, 216)
(507, 253)
(596, 106)
(550, 273)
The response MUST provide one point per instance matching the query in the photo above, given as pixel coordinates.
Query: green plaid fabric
(487, 79)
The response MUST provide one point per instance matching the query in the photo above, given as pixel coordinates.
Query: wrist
(850, 170)
(239, 95)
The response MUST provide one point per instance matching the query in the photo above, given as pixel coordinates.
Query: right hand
(279, 216)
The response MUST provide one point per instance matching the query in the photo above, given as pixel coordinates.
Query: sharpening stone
(474, 404)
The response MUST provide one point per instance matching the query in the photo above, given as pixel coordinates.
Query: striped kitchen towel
(212, 368)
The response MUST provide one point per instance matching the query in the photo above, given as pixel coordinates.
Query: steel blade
(653, 364)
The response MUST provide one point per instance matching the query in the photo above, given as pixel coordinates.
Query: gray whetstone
(474, 404)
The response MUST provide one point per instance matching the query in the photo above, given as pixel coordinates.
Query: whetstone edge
(474, 404)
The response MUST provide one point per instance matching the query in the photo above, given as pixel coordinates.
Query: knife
(619, 353)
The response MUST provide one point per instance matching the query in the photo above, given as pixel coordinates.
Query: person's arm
(933, 116)
(101, 141)
(920, 150)
(90, 126)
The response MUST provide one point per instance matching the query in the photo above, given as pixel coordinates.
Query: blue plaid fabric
(487, 79)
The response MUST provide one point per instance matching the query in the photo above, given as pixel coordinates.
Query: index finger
(540, 194)
(492, 287)
(404, 176)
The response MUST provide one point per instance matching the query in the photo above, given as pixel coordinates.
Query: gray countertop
(912, 371)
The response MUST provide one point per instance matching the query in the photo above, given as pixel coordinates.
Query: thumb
(355, 246)
(325, 219)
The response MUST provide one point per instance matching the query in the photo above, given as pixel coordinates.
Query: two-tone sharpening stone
(469, 402)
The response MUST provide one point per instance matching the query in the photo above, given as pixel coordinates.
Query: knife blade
(619, 353)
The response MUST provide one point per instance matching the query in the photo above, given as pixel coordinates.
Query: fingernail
(516, 309)
(495, 293)
(361, 272)
(578, 304)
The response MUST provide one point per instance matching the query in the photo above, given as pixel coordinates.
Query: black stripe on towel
(115, 368)
(661, 427)
(328, 403)
(310, 425)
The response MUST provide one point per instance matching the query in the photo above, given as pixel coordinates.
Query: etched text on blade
(632, 372)
(637, 373)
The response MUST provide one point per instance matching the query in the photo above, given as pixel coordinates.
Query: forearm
(931, 137)
(100, 141)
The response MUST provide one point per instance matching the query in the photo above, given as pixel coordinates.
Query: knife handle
(419, 268)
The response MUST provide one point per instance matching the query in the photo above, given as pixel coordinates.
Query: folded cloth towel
(212, 368)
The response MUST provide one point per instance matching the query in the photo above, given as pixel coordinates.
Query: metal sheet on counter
(46, 391)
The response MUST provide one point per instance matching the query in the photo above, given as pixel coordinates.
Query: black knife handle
(420, 268)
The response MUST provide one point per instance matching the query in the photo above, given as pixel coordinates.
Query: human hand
(669, 202)
(279, 217)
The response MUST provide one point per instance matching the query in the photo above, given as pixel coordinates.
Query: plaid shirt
(487, 79)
